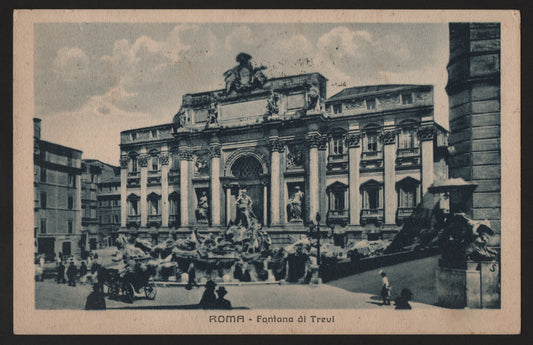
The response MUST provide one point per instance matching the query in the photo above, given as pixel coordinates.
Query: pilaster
(143, 162)
(354, 157)
(123, 191)
(389, 164)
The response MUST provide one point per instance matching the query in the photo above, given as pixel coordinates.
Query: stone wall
(474, 97)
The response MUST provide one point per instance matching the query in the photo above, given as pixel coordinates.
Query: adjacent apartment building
(57, 188)
(362, 159)
(100, 203)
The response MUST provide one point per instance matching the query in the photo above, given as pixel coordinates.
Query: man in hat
(72, 271)
(96, 299)
(209, 299)
(221, 302)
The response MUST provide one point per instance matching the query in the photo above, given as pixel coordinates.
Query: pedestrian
(237, 273)
(60, 273)
(83, 271)
(192, 277)
(385, 288)
(221, 302)
(209, 299)
(96, 299)
(41, 260)
(402, 301)
(72, 271)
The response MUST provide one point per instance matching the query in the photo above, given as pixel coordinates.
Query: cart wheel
(150, 291)
(114, 289)
(129, 292)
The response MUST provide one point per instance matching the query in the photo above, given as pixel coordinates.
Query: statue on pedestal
(212, 116)
(295, 206)
(245, 212)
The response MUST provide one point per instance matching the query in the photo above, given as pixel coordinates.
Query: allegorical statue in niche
(244, 209)
(295, 205)
(244, 77)
(180, 118)
(203, 206)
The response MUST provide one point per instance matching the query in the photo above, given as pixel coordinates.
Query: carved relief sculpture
(388, 137)
(143, 161)
(201, 166)
(295, 157)
(124, 162)
(353, 140)
(426, 133)
(164, 159)
(180, 119)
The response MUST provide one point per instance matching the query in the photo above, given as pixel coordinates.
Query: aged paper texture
(359, 116)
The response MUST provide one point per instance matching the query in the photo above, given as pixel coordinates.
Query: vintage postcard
(266, 172)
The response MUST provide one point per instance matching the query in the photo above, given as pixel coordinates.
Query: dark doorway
(67, 248)
(46, 245)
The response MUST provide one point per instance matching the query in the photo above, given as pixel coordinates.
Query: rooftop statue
(244, 77)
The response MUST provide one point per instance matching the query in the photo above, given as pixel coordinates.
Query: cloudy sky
(94, 80)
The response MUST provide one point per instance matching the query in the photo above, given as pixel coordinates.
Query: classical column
(185, 158)
(354, 157)
(228, 204)
(164, 189)
(265, 203)
(123, 191)
(426, 135)
(314, 141)
(276, 147)
(214, 152)
(143, 162)
(389, 163)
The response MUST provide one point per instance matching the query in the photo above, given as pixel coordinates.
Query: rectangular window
(43, 200)
(372, 143)
(133, 136)
(154, 133)
(133, 164)
(70, 226)
(337, 146)
(408, 197)
(72, 180)
(70, 202)
(371, 200)
(407, 98)
(338, 200)
(337, 108)
(371, 104)
(43, 174)
(43, 225)
(115, 219)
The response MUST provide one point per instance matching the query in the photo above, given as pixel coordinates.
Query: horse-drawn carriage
(128, 283)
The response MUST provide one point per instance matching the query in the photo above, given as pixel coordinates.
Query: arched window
(247, 167)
